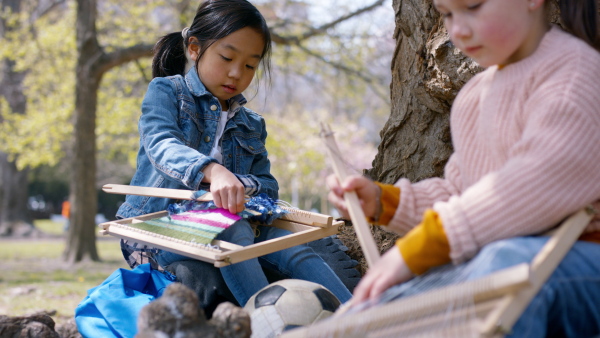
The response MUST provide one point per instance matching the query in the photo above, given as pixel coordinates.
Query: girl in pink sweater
(526, 134)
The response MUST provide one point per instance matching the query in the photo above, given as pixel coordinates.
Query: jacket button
(229, 155)
(213, 108)
(251, 147)
(206, 138)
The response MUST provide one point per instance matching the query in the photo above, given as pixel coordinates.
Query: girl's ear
(193, 48)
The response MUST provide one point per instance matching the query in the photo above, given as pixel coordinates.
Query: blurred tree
(43, 135)
(13, 198)
(93, 61)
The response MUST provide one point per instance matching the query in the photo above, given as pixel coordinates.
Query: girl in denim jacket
(195, 133)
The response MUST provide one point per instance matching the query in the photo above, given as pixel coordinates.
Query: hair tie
(184, 32)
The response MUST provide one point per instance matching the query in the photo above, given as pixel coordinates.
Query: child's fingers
(240, 199)
(363, 289)
(355, 182)
(334, 185)
(224, 200)
(339, 203)
(217, 199)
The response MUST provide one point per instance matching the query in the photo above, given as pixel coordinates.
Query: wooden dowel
(177, 194)
(359, 221)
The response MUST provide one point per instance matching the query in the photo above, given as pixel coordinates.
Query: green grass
(35, 278)
(49, 227)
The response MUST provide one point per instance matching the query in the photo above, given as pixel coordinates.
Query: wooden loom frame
(499, 299)
(305, 227)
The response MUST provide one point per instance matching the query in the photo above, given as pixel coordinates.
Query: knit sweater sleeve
(549, 172)
(418, 197)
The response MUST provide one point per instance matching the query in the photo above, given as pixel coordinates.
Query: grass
(35, 278)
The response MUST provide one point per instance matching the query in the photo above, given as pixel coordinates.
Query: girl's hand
(366, 190)
(228, 192)
(387, 272)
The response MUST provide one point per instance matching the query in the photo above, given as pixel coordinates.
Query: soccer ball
(287, 304)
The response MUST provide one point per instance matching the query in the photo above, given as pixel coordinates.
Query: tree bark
(81, 239)
(427, 73)
(92, 63)
(14, 215)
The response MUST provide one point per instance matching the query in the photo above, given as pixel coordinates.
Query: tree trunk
(81, 241)
(427, 73)
(14, 216)
(92, 63)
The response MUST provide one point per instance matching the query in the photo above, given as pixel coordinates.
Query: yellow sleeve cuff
(388, 203)
(426, 245)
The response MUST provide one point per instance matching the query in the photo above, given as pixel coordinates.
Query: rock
(231, 321)
(38, 325)
(68, 329)
(177, 313)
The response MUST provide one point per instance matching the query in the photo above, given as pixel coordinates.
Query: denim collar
(197, 88)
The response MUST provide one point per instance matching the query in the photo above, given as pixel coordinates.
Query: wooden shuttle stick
(177, 194)
(362, 228)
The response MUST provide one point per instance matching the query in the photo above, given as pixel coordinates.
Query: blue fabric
(178, 129)
(111, 309)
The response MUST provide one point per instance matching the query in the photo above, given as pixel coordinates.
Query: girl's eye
(250, 67)
(224, 58)
(446, 15)
(474, 7)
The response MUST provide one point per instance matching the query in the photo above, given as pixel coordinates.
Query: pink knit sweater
(527, 150)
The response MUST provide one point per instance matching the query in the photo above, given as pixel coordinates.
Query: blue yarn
(261, 203)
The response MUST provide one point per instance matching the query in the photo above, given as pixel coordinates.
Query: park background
(71, 85)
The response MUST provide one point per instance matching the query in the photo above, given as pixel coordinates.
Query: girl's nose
(235, 71)
(459, 28)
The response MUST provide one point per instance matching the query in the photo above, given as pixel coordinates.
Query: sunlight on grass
(49, 226)
(108, 250)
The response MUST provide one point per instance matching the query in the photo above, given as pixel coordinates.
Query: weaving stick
(177, 194)
(301, 216)
(359, 222)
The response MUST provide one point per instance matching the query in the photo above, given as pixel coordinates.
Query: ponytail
(580, 18)
(169, 56)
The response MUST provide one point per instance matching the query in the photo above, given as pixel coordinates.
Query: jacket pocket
(247, 150)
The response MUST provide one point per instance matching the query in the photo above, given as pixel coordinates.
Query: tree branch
(366, 78)
(296, 39)
(123, 55)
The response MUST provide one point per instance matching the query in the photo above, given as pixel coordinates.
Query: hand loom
(484, 307)
(305, 227)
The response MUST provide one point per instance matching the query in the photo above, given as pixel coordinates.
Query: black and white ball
(288, 304)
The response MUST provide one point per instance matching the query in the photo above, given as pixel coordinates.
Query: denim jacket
(177, 132)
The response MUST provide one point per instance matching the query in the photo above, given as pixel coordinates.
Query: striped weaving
(198, 226)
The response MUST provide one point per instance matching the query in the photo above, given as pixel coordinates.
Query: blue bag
(111, 309)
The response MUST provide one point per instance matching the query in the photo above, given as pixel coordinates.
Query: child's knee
(240, 232)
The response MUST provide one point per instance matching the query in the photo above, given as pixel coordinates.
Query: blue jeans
(568, 305)
(245, 278)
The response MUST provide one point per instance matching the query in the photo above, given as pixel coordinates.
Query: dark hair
(214, 20)
(580, 18)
